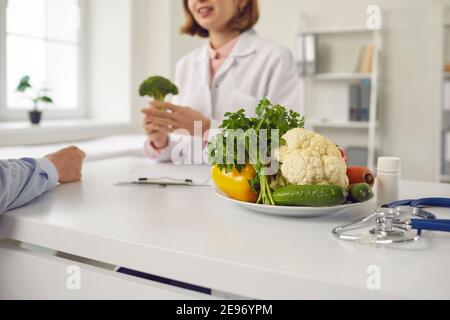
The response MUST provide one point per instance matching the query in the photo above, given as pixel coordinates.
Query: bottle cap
(389, 164)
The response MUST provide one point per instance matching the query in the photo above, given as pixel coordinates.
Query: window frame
(7, 114)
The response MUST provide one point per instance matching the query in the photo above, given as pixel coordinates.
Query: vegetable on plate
(311, 171)
(360, 175)
(360, 192)
(235, 183)
(344, 155)
(310, 196)
(268, 117)
(308, 158)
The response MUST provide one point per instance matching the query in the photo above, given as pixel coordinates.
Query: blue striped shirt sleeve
(22, 181)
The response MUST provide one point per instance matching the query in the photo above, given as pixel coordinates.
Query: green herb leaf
(269, 117)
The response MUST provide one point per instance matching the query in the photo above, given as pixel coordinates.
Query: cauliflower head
(309, 158)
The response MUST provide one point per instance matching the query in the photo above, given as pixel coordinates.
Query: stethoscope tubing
(428, 202)
(430, 224)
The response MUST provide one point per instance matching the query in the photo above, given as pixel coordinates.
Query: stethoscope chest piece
(391, 226)
(387, 228)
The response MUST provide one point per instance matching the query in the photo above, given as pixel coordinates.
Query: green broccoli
(157, 88)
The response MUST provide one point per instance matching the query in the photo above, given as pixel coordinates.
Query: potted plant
(36, 97)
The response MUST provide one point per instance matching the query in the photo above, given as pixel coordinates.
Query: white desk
(191, 235)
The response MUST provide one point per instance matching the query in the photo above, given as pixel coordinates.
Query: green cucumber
(310, 196)
(360, 192)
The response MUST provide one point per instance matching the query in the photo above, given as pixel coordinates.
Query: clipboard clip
(162, 182)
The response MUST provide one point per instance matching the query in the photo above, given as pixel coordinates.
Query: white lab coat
(255, 69)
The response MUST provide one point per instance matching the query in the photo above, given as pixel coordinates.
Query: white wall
(180, 44)
(109, 66)
(156, 46)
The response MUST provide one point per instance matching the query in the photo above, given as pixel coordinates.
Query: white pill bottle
(388, 180)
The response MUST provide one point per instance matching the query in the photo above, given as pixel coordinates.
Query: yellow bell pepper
(235, 184)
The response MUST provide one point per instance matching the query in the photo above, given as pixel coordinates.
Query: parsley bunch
(242, 132)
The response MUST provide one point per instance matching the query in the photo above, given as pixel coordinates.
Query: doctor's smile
(224, 149)
(201, 11)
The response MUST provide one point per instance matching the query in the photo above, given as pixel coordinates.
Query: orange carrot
(360, 175)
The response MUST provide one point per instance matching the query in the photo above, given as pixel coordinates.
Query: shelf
(339, 76)
(349, 29)
(328, 89)
(341, 125)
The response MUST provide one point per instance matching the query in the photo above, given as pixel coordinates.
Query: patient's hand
(68, 163)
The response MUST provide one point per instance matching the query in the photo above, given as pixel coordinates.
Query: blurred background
(374, 86)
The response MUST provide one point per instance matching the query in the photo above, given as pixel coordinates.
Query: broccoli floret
(157, 88)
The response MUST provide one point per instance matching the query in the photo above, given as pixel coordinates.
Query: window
(42, 40)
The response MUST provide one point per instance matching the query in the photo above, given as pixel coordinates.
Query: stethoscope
(400, 221)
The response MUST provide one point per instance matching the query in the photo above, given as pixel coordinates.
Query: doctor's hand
(166, 118)
(158, 138)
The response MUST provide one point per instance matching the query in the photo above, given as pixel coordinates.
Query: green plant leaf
(45, 99)
(24, 84)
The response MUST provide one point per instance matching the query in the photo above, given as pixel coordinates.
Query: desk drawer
(29, 275)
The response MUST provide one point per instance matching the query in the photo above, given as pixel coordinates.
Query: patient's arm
(23, 180)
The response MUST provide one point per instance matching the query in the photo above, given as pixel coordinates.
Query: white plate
(300, 212)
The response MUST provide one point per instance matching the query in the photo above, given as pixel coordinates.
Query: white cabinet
(30, 275)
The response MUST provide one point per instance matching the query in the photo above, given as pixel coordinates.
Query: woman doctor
(233, 70)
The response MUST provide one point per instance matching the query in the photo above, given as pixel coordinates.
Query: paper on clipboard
(168, 173)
